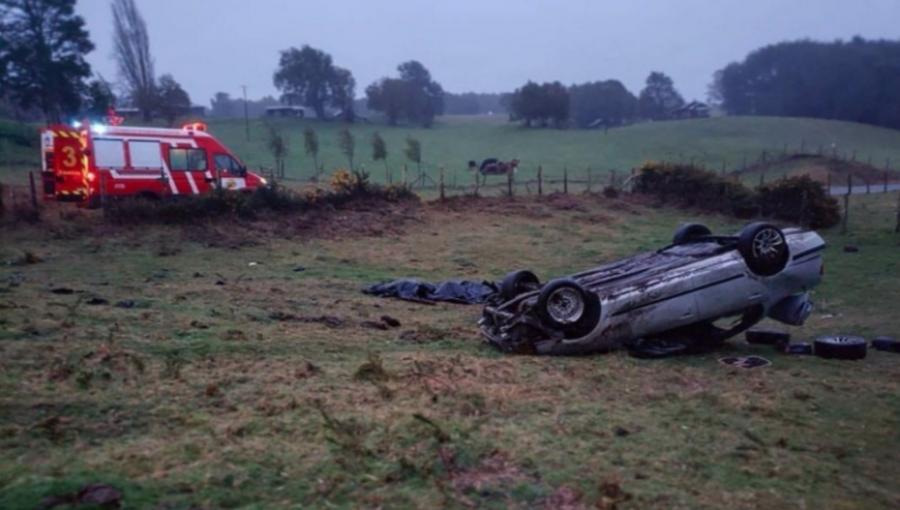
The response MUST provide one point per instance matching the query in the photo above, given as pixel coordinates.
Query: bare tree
(131, 44)
(279, 145)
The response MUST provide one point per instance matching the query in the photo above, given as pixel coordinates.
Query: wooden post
(509, 183)
(566, 181)
(540, 180)
(34, 202)
(441, 176)
(846, 216)
(477, 180)
(588, 174)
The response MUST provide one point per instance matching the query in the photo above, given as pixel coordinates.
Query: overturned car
(679, 293)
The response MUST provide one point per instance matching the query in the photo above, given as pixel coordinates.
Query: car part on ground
(664, 302)
(799, 349)
(745, 361)
(841, 347)
(767, 336)
(886, 343)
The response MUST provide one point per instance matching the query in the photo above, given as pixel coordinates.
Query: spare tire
(566, 306)
(518, 282)
(886, 343)
(840, 347)
(690, 232)
(764, 248)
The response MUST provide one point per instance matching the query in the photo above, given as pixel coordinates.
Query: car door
(189, 167)
(231, 174)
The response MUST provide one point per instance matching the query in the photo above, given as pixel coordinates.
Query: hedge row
(798, 200)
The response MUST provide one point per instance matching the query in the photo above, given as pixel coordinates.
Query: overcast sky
(478, 45)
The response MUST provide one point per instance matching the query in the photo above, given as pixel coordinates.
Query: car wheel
(690, 232)
(840, 347)
(886, 343)
(518, 282)
(764, 248)
(765, 336)
(566, 306)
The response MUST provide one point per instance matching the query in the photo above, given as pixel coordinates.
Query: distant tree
(542, 104)
(380, 153)
(308, 75)
(856, 80)
(131, 47)
(413, 152)
(607, 102)
(172, 99)
(42, 49)
(414, 96)
(473, 103)
(388, 96)
(311, 146)
(343, 93)
(99, 98)
(279, 145)
(347, 143)
(659, 98)
(221, 105)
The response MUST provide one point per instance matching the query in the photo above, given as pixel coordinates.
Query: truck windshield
(226, 163)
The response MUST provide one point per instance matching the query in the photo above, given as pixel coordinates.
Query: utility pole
(246, 114)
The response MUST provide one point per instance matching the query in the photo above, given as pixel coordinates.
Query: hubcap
(768, 245)
(565, 305)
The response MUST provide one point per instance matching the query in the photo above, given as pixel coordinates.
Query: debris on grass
(96, 495)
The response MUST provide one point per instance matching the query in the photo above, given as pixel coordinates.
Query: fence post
(589, 179)
(566, 181)
(847, 204)
(34, 202)
(475, 189)
(540, 180)
(442, 181)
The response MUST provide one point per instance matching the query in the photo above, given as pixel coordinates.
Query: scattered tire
(764, 248)
(766, 336)
(690, 232)
(518, 282)
(566, 306)
(799, 349)
(886, 343)
(840, 347)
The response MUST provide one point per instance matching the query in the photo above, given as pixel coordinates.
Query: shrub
(799, 200)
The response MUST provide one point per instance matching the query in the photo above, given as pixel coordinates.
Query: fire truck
(83, 163)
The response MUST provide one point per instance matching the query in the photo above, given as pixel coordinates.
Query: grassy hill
(456, 140)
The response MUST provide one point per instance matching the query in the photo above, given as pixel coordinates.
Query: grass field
(456, 140)
(236, 381)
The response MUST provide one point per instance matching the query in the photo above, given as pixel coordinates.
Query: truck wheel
(566, 306)
(840, 347)
(518, 282)
(764, 248)
(690, 232)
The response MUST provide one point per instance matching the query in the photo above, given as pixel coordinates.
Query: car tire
(690, 232)
(766, 336)
(518, 282)
(764, 248)
(560, 291)
(886, 343)
(840, 347)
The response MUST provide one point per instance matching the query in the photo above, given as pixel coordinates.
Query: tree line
(595, 104)
(857, 80)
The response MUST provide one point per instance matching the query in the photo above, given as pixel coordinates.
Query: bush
(347, 187)
(797, 200)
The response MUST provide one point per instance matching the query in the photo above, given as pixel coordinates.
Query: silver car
(683, 290)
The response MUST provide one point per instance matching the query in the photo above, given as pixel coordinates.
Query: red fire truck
(80, 163)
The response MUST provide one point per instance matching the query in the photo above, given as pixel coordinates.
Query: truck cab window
(187, 159)
(226, 163)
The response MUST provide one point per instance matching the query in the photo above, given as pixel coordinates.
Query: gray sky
(472, 45)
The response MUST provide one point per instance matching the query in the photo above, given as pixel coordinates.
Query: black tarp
(456, 291)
